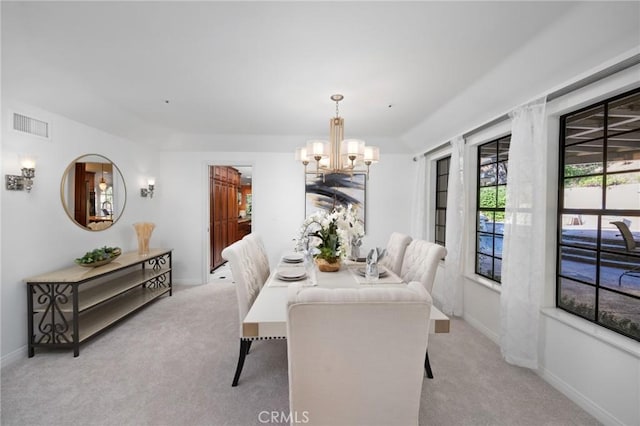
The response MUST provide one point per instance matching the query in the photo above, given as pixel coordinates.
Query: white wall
(37, 236)
(278, 203)
(597, 368)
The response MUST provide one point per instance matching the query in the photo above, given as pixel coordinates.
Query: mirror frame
(64, 181)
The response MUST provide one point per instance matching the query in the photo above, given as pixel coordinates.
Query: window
(442, 185)
(493, 160)
(598, 272)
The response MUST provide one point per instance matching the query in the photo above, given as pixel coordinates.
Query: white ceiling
(240, 69)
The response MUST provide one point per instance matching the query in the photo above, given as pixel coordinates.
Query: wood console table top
(75, 274)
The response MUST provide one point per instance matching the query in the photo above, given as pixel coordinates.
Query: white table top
(267, 318)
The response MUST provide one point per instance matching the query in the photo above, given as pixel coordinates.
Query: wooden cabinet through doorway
(223, 207)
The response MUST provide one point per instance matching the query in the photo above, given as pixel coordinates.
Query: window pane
(578, 264)
(443, 166)
(497, 269)
(586, 125)
(485, 244)
(488, 153)
(623, 191)
(502, 196)
(441, 217)
(579, 230)
(440, 234)
(624, 115)
(619, 312)
(441, 200)
(623, 152)
(577, 298)
(488, 175)
(583, 159)
(583, 193)
(442, 182)
(488, 197)
(502, 172)
(485, 266)
(620, 272)
(497, 243)
(485, 221)
(503, 148)
(612, 239)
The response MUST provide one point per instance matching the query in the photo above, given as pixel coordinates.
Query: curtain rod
(600, 75)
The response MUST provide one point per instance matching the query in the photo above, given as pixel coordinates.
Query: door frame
(206, 234)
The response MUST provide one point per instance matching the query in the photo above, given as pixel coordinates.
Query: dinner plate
(292, 274)
(293, 258)
(382, 272)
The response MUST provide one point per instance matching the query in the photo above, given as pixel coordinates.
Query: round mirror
(93, 192)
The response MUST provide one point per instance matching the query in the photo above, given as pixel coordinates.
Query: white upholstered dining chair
(396, 247)
(355, 354)
(420, 264)
(260, 254)
(248, 281)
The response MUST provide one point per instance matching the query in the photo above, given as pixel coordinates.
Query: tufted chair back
(395, 252)
(260, 254)
(421, 262)
(355, 355)
(246, 275)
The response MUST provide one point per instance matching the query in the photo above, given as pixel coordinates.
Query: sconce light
(25, 181)
(148, 191)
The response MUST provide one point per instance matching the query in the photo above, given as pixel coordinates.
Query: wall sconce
(148, 191)
(25, 181)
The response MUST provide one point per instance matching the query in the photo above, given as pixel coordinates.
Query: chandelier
(103, 184)
(338, 155)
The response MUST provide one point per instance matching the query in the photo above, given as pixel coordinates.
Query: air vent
(25, 124)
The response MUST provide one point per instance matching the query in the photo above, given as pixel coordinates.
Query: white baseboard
(14, 356)
(585, 403)
(186, 281)
(563, 387)
(494, 337)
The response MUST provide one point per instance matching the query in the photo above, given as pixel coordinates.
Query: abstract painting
(336, 189)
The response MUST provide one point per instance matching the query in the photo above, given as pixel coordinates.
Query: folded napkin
(375, 255)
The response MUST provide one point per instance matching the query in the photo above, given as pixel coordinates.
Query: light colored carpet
(173, 362)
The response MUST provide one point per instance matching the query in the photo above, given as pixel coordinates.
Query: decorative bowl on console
(98, 257)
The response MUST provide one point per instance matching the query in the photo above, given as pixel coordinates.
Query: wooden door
(223, 206)
(81, 194)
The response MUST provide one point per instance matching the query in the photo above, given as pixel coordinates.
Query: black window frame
(442, 179)
(501, 158)
(602, 248)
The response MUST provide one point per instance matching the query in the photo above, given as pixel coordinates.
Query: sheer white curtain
(419, 204)
(456, 231)
(524, 245)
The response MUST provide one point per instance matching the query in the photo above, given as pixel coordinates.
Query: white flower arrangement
(330, 235)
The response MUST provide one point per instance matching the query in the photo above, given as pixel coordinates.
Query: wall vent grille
(30, 125)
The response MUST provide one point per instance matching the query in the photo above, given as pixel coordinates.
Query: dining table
(267, 318)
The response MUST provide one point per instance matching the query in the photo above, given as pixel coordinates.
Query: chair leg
(249, 346)
(244, 348)
(427, 366)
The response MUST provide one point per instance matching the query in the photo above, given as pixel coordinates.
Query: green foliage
(330, 245)
(571, 170)
(494, 197)
(99, 254)
(609, 319)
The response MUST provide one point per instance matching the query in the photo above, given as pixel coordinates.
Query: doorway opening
(230, 209)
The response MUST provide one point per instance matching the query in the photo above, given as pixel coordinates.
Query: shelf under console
(67, 307)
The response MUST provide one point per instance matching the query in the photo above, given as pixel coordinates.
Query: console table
(67, 307)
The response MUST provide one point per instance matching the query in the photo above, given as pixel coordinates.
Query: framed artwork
(336, 189)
